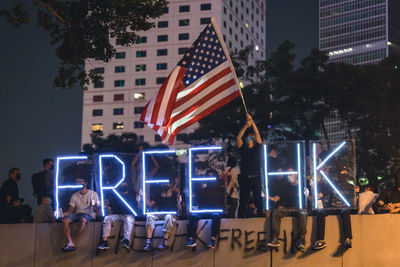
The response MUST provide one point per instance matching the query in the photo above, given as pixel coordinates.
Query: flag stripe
(202, 86)
(171, 127)
(202, 100)
(167, 92)
(216, 106)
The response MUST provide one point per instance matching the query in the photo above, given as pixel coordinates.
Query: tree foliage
(85, 30)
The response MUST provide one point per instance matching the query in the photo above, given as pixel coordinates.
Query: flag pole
(229, 58)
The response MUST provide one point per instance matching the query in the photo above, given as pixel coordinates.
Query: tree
(85, 30)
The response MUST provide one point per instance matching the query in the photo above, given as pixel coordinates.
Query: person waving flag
(203, 81)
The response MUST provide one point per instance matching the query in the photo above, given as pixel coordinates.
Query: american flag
(203, 81)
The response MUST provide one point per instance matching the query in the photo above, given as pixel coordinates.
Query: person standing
(42, 182)
(250, 167)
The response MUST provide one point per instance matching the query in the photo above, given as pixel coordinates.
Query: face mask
(18, 176)
(249, 139)
(51, 167)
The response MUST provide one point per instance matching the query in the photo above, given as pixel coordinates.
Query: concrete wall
(376, 242)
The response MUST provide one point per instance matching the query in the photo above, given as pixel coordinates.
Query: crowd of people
(239, 188)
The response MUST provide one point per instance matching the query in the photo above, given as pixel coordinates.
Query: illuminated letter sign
(317, 168)
(113, 188)
(267, 174)
(57, 187)
(153, 180)
(199, 179)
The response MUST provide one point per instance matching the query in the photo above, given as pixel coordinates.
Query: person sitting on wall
(83, 207)
(166, 198)
(284, 197)
(389, 201)
(366, 200)
(42, 182)
(208, 196)
(44, 213)
(327, 198)
(120, 213)
(250, 167)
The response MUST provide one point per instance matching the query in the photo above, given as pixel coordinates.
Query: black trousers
(344, 216)
(194, 222)
(232, 204)
(248, 185)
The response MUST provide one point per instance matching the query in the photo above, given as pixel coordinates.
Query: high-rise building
(357, 32)
(136, 73)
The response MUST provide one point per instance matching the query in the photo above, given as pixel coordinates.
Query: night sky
(39, 121)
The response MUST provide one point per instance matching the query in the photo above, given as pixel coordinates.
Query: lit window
(161, 66)
(138, 124)
(184, 8)
(119, 97)
(120, 55)
(184, 22)
(140, 82)
(138, 96)
(182, 50)
(162, 38)
(119, 69)
(98, 84)
(119, 83)
(99, 70)
(205, 6)
(138, 110)
(141, 53)
(160, 80)
(162, 24)
(142, 40)
(141, 67)
(98, 98)
(118, 111)
(207, 21)
(97, 112)
(183, 36)
(162, 52)
(118, 125)
(97, 127)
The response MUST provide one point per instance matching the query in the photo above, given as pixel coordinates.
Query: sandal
(68, 249)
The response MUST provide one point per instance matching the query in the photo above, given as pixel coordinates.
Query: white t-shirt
(234, 173)
(82, 203)
(365, 202)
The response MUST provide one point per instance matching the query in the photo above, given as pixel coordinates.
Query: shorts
(76, 217)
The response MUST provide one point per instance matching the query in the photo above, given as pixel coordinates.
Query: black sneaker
(103, 245)
(274, 243)
(163, 245)
(125, 243)
(347, 243)
(300, 244)
(147, 247)
(211, 244)
(191, 243)
(319, 244)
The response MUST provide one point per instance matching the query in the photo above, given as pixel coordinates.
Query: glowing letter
(267, 173)
(57, 187)
(317, 168)
(113, 188)
(197, 179)
(152, 181)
